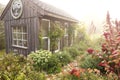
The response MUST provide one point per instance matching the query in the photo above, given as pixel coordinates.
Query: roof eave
(60, 17)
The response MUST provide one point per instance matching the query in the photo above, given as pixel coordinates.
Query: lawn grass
(2, 52)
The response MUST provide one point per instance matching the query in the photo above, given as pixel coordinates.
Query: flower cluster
(77, 72)
(40, 57)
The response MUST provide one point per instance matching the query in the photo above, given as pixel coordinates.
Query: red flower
(90, 51)
(75, 72)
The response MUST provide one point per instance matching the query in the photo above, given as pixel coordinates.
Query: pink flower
(90, 50)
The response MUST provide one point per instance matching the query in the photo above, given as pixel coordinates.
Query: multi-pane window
(58, 46)
(19, 34)
(45, 30)
(66, 34)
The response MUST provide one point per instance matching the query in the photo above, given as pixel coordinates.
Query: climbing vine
(55, 34)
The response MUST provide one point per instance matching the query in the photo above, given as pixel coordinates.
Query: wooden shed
(25, 19)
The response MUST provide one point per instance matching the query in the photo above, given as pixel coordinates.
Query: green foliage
(40, 58)
(73, 52)
(53, 65)
(20, 76)
(34, 75)
(92, 63)
(64, 57)
(10, 66)
(17, 67)
(55, 34)
(44, 60)
(91, 76)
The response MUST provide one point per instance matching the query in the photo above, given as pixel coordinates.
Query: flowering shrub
(110, 49)
(40, 58)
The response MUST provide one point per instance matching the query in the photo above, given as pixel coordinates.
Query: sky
(86, 10)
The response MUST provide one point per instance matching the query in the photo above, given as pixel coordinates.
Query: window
(66, 34)
(19, 34)
(58, 46)
(45, 30)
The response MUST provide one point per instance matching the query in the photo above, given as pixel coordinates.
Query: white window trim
(25, 47)
(66, 28)
(47, 37)
(58, 41)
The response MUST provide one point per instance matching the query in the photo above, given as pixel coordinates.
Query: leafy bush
(89, 76)
(92, 63)
(17, 67)
(43, 60)
(64, 57)
(40, 58)
(53, 65)
(73, 52)
(10, 66)
(34, 75)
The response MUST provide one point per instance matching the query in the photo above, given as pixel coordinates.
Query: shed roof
(49, 10)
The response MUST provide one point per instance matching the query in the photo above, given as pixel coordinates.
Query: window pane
(15, 42)
(45, 44)
(14, 29)
(24, 43)
(45, 28)
(65, 41)
(19, 36)
(19, 42)
(19, 29)
(14, 36)
(24, 36)
(24, 29)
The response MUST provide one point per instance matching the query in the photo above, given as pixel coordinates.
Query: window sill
(20, 47)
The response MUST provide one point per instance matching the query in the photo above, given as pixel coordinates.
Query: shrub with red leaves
(110, 49)
(75, 72)
(106, 35)
(103, 64)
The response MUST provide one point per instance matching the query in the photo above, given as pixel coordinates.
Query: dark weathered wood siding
(28, 19)
(31, 19)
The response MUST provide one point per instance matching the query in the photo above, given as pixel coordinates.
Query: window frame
(58, 40)
(22, 33)
(46, 37)
(66, 25)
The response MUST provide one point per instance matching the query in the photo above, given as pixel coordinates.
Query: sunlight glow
(85, 9)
